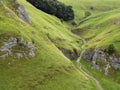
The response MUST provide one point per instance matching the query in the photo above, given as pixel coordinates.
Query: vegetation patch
(54, 7)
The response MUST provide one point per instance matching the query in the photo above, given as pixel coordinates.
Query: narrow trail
(85, 73)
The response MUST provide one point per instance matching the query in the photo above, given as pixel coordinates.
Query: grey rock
(7, 47)
(19, 55)
(88, 55)
(71, 55)
(9, 63)
(8, 14)
(30, 45)
(99, 55)
(107, 69)
(31, 53)
(114, 62)
(95, 66)
(12, 41)
(21, 12)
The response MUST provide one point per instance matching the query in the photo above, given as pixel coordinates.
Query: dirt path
(85, 73)
(83, 50)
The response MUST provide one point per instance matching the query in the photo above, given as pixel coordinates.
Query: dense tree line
(55, 8)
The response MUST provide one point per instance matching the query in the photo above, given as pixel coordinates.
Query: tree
(111, 49)
(55, 8)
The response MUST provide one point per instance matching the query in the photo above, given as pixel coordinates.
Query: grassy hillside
(101, 28)
(110, 82)
(49, 69)
(93, 6)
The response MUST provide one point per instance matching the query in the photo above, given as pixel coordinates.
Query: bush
(55, 8)
(87, 13)
(111, 49)
(74, 23)
(91, 8)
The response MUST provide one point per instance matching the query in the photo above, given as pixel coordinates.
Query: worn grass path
(85, 73)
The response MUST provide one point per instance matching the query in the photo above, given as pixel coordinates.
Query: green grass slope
(110, 82)
(101, 30)
(98, 6)
(52, 28)
(49, 69)
(102, 27)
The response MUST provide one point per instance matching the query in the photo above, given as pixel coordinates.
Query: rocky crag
(17, 48)
(102, 61)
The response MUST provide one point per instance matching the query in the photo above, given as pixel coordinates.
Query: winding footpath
(85, 73)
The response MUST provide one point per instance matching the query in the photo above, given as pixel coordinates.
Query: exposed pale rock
(21, 12)
(12, 42)
(114, 62)
(8, 14)
(7, 47)
(88, 55)
(107, 69)
(30, 45)
(102, 57)
(95, 66)
(9, 63)
(19, 55)
(31, 53)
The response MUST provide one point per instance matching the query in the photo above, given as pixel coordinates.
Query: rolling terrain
(34, 61)
(49, 69)
(100, 30)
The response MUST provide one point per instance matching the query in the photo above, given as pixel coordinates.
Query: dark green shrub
(74, 23)
(21, 44)
(111, 49)
(33, 41)
(91, 8)
(55, 8)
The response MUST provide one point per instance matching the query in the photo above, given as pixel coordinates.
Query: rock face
(88, 55)
(19, 55)
(31, 49)
(114, 62)
(71, 55)
(7, 47)
(102, 61)
(21, 12)
(107, 69)
(18, 48)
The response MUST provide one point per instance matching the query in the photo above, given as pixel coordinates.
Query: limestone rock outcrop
(18, 48)
(22, 13)
(71, 55)
(102, 61)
